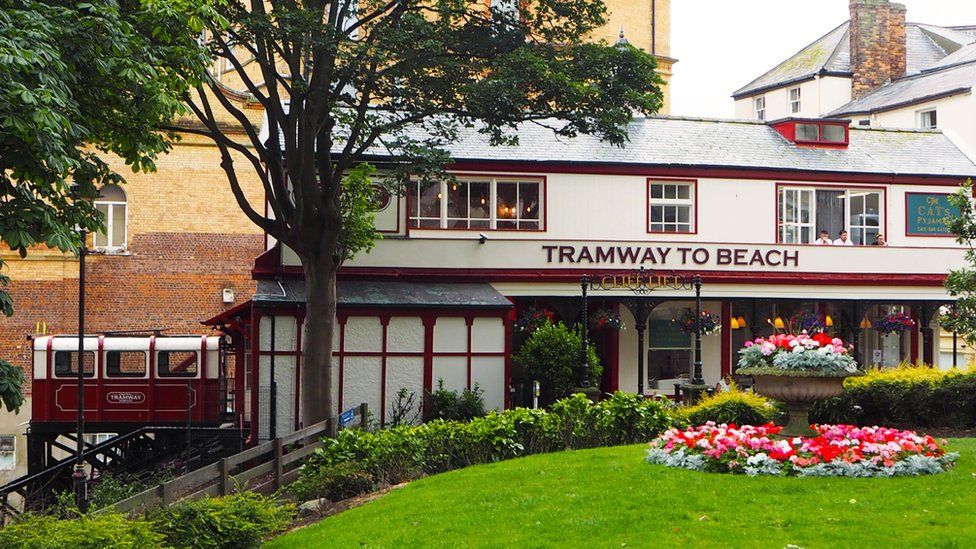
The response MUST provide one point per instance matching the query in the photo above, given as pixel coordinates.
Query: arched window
(111, 202)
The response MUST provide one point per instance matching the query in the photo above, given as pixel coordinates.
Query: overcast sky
(721, 45)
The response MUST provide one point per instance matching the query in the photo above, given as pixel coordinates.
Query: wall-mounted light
(227, 295)
(865, 323)
(734, 323)
(829, 322)
(742, 321)
(482, 238)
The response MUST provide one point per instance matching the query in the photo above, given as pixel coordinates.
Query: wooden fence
(264, 468)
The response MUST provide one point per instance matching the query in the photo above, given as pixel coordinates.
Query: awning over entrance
(400, 295)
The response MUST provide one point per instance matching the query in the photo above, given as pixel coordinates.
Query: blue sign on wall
(926, 214)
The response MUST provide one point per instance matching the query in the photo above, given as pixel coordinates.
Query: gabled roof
(831, 55)
(930, 84)
(738, 144)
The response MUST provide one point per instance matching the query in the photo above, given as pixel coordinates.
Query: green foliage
(11, 386)
(91, 531)
(455, 406)
(961, 283)
(553, 356)
(911, 395)
(358, 233)
(109, 489)
(235, 521)
(732, 406)
(334, 483)
(403, 453)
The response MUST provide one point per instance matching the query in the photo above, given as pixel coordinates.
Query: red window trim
(544, 194)
(779, 184)
(647, 203)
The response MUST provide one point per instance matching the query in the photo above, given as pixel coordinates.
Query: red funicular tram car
(131, 383)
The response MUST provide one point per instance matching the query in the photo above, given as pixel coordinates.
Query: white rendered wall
(818, 97)
(956, 117)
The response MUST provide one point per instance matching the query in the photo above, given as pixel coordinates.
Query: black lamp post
(696, 378)
(80, 477)
(585, 330)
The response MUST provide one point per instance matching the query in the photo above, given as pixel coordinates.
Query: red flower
(822, 338)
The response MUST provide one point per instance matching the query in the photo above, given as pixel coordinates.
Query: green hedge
(906, 396)
(403, 453)
(93, 531)
(733, 406)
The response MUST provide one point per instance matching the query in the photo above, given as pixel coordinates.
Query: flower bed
(838, 450)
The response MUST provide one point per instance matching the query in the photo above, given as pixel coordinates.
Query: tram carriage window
(125, 364)
(66, 363)
(176, 364)
(8, 452)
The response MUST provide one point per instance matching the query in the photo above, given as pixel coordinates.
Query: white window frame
(759, 107)
(794, 100)
(494, 218)
(795, 222)
(930, 114)
(112, 207)
(4, 466)
(674, 202)
(783, 224)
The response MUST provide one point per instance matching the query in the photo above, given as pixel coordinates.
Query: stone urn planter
(798, 370)
(798, 391)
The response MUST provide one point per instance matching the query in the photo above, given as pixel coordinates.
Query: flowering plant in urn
(798, 370)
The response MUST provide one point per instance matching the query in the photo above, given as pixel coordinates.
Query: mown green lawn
(610, 497)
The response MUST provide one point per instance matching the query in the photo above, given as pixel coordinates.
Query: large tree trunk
(316, 397)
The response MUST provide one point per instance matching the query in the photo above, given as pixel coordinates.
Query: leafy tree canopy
(393, 82)
(79, 79)
(961, 283)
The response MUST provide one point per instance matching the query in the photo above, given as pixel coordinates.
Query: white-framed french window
(113, 205)
(479, 203)
(804, 211)
(759, 106)
(928, 119)
(794, 100)
(671, 206)
(8, 452)
(796, 215)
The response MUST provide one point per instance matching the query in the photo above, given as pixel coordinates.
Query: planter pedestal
(798, 393)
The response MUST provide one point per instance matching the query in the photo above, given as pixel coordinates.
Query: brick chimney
(877, 44)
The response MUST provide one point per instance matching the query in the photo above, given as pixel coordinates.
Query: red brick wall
(170, 280)
(878, 45)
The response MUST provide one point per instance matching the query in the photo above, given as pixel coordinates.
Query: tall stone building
(178, 250)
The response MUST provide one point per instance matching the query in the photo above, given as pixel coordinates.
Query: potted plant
(798, 370)
(532, 318)
(605, 318)
(895, 323)
(708, 322)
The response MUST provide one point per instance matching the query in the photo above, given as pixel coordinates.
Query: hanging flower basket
(533, 318)
(895, 323)
(707, 323)
(808, 322)
(605, 318)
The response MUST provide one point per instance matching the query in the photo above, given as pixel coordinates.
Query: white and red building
(739, 203)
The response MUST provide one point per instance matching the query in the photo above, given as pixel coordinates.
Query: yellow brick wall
(634, 17)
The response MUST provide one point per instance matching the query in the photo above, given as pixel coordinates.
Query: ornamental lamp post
(79, 477)
(694, 389)
(592, 393)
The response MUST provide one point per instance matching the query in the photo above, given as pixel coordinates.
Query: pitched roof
(699, 142)
(831, 54)
(930, 84)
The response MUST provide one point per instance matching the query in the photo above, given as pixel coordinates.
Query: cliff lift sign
(927, 214)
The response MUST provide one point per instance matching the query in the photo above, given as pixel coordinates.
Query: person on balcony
(880, 240)
(824, 239)
(843, 240)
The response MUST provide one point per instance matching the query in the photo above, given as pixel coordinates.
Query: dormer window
(828, 132)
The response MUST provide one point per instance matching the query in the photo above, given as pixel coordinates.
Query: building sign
(125, 397)
(927, 213)
(667, 256)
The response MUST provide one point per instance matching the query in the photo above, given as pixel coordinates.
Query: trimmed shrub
(732, 406)
(455, 406)
(911, 395)
(403, 453)
(334, 483)
(553, 355)
(91, 531)
(238, 520)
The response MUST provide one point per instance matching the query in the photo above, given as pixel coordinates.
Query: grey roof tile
(930, 84)
(925, 45)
